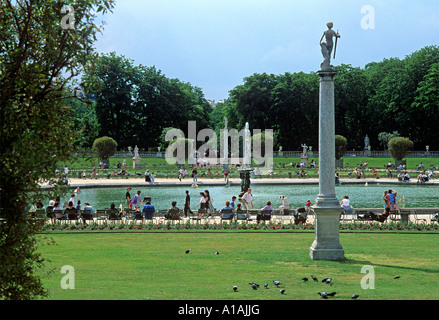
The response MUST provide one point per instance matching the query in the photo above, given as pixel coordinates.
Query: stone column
(327, 210)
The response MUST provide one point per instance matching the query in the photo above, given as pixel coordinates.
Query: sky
(215, 44)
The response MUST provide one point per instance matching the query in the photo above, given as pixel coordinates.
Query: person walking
(187, 205)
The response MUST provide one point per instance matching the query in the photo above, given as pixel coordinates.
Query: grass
(154, 266)
(281, 167)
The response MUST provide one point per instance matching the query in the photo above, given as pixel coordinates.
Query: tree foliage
(104, 147)
(392, 95)
(135, 103)
(340, 146)
(39, 61)
(399, 146)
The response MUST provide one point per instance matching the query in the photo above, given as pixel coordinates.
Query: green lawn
(153, 265)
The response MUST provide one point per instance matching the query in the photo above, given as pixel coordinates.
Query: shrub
(399, 146)
(341, 144)
(104, 147)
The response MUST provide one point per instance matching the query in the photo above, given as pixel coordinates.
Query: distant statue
(136, 152)
(328, 45)
(366, 142)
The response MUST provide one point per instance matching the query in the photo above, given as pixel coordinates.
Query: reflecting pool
(361, 196)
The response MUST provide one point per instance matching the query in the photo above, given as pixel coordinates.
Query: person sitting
(173, 212)
(71, 210)
(240, 214)
(389, 173)
(376, 216)
(59, 214)
(113, 213)
(406, 177)
(300, 216)
(308, 205)
(285, 204)
(345, 203)
(148, 209)
(267, 207)
(49, 210)
(227, 211)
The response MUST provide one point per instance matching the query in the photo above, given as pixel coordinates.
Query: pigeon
(331, 294)
(277, 283)
(397, 277)
(354, 296)
(282, 291)
(254, 286)
(235, 288)
(314, 278)
(217, 252)
(328, 281)
(266, 285)
(305, 279)
(323, 294)
(40, 260)
(188, 250)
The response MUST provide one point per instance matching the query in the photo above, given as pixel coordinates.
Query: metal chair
(226, 214)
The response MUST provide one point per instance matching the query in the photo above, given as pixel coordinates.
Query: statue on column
(328, 45)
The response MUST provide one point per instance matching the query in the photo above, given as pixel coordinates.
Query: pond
(361, 196)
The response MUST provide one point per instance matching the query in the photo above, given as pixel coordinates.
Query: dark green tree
(39, 60)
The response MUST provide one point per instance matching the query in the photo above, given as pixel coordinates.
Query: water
(360, 196)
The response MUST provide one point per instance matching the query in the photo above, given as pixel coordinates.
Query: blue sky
(214, 44)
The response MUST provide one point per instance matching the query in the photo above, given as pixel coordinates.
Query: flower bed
(238, 226)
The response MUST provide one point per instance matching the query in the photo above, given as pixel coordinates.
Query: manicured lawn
(153, 265)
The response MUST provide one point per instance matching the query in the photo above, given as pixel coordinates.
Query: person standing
(386, 199)
(285, 204)
(128, 197)
(391, 195)
(209, 202)
(137, 200)
(187, 204)
(194, 175)
(248, 199)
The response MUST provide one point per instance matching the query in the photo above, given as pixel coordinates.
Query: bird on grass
(354, 296)
(188, 250)
(282, 291)
(397, 277)
(266, 285)
(277, 283)
(314, 278)
(216, 252)
(255, 286)
(331, 294)
(327, 280)
(235, 288)
(323, 294)
(305, 279)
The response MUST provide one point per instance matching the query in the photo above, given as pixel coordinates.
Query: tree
(39, 60)
(135, 103)
(104, 147)
(384, 137)
(399, 146)
(340, 146)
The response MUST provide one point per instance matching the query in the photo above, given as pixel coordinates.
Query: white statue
(328, 46)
